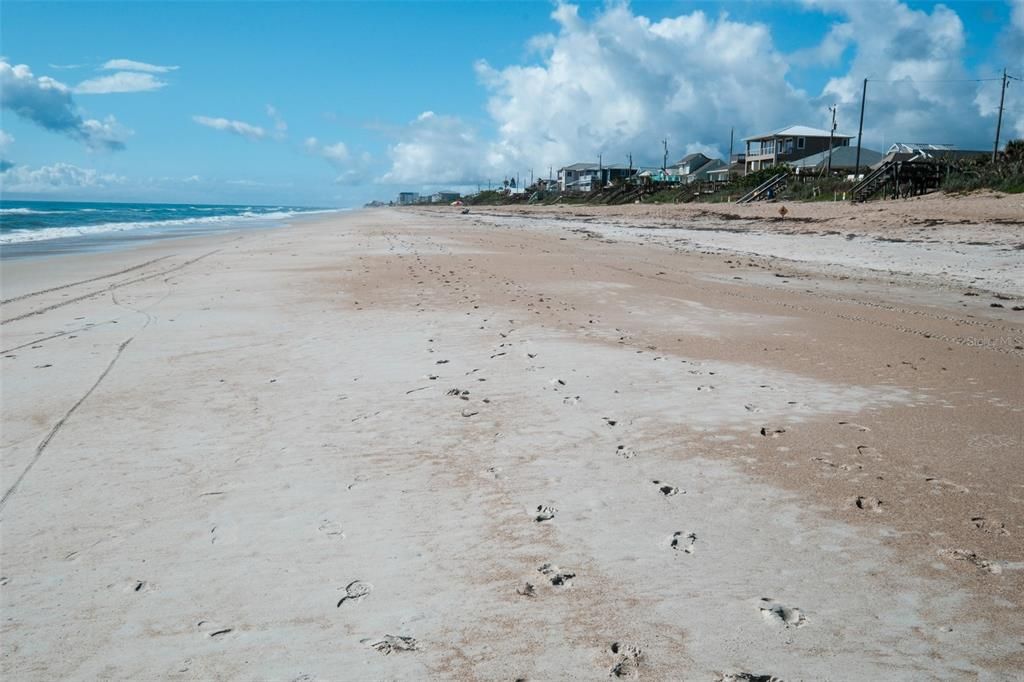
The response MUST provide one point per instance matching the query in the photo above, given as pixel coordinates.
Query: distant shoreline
(118, 235)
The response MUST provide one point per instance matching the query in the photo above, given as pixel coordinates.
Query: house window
(801, 143)
(789, 145)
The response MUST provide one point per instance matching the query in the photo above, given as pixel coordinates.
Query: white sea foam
(240, 220)
(25, 211)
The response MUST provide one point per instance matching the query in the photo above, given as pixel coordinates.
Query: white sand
(280, 426)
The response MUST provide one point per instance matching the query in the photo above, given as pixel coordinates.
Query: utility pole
(831, 132)
(600, 167)
(631, 164)
(664, 161)
(732, 133)
(999, 123)
(860, 131)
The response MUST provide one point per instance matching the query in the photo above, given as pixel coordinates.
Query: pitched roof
(798, 131)
(690, 157)
(594, 167)
(710, 166)
(842, 157)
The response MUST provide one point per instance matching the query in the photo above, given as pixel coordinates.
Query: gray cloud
(48, 103)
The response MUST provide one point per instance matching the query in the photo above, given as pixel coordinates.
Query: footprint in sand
(683, 541)
(868, 503)
(355, 591)
(776, 613)
(667, 490)
(526, 590)
(972, 558)
(994, 526)
(332, 529)
(544, 513)
(945, 484)
(772, 431)
(557, 576)
(845, 467)
(627, 660)
(389, 644)
(746, 677)
(857, 427)
(624, 452)
(213, 630)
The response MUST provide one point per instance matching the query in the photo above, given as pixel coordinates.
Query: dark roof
(690, 157)
(712, 165)
(842, 157)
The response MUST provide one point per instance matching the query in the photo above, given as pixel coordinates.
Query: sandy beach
(566, 443)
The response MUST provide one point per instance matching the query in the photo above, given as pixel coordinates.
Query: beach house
(789, 144)
(689, 164)
(407, 198)
(444, 197)
(585, 177)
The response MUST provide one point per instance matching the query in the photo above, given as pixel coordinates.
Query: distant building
(444, 197)
(930, 151)
(704, 173)
(689, 164)
(788, 145)
(406, 198)
(584, 177)
(844, 160)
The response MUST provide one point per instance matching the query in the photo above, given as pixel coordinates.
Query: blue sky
(335, 103)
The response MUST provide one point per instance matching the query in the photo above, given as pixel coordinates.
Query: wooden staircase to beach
(776, 182)
(873, 181)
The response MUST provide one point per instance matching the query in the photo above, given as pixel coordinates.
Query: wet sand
(408, 445)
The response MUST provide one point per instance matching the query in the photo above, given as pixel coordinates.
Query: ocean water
(33, 227)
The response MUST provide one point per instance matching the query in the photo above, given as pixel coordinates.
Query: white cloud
(55, 178)
(919, 89)
(132, 65)
(237, 127)
(280, 125)
(122, 81)
(617, 83)
(442, 149)
(353, 168)
(5, 140)
(48, 103)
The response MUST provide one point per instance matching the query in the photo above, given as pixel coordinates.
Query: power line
(936, 80)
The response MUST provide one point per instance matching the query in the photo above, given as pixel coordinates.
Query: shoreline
(712, 467)
(114, 240)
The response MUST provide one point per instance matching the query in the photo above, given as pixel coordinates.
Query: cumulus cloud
(237, 127)
(55, 178)
(617, 83)
(132, 65)
(5, 140)
(614, 85)
(911, 59)
(443, 149)
(122, 81)
(48, 103)
(353, 168)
